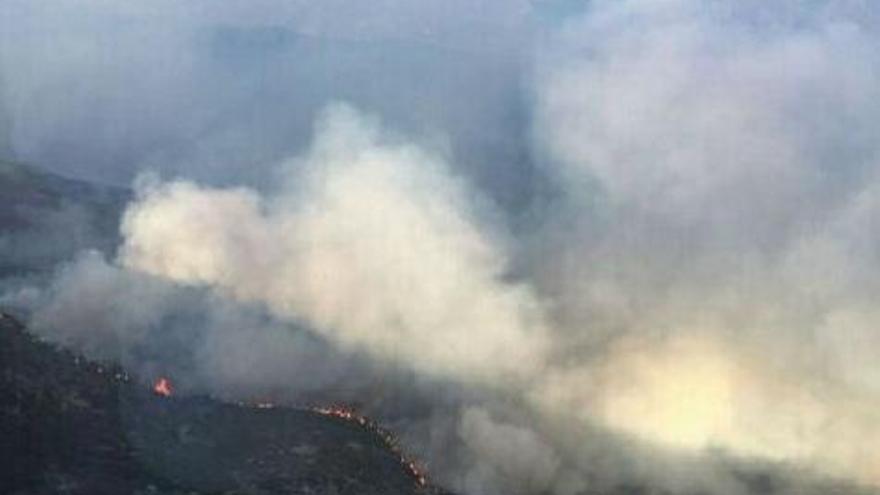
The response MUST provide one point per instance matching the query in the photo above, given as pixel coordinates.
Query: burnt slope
(73, 426)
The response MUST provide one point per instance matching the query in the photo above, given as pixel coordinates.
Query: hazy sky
(221, 90)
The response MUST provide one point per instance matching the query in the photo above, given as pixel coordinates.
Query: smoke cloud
(375, 248)
(683, 302)
(710, 158)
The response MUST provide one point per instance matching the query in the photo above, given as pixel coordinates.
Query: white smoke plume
(375, 247)
(689, 301)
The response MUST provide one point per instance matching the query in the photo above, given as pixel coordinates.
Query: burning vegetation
(163, 387)
(415, 469)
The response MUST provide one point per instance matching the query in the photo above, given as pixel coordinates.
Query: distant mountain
(46, 218)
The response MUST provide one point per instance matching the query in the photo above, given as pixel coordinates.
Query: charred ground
(74, 426)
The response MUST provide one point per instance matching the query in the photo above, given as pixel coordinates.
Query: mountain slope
(78, 427)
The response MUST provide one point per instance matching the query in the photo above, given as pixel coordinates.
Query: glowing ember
(163, 387)
(415, 470)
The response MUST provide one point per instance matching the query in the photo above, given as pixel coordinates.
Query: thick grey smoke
(373, 244)
(720, 170)
(687, 300)
(206, 342)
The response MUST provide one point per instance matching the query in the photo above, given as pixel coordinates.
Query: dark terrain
(73, 426)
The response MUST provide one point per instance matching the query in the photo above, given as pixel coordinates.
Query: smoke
(718, 165)
(376, 249)
(204, 341)
(684, 304)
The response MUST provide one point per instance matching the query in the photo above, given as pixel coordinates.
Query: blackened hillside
(73, 426)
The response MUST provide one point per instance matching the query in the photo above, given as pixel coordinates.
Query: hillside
(78, 427)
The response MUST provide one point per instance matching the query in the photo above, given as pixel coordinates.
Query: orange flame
(163, 387)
